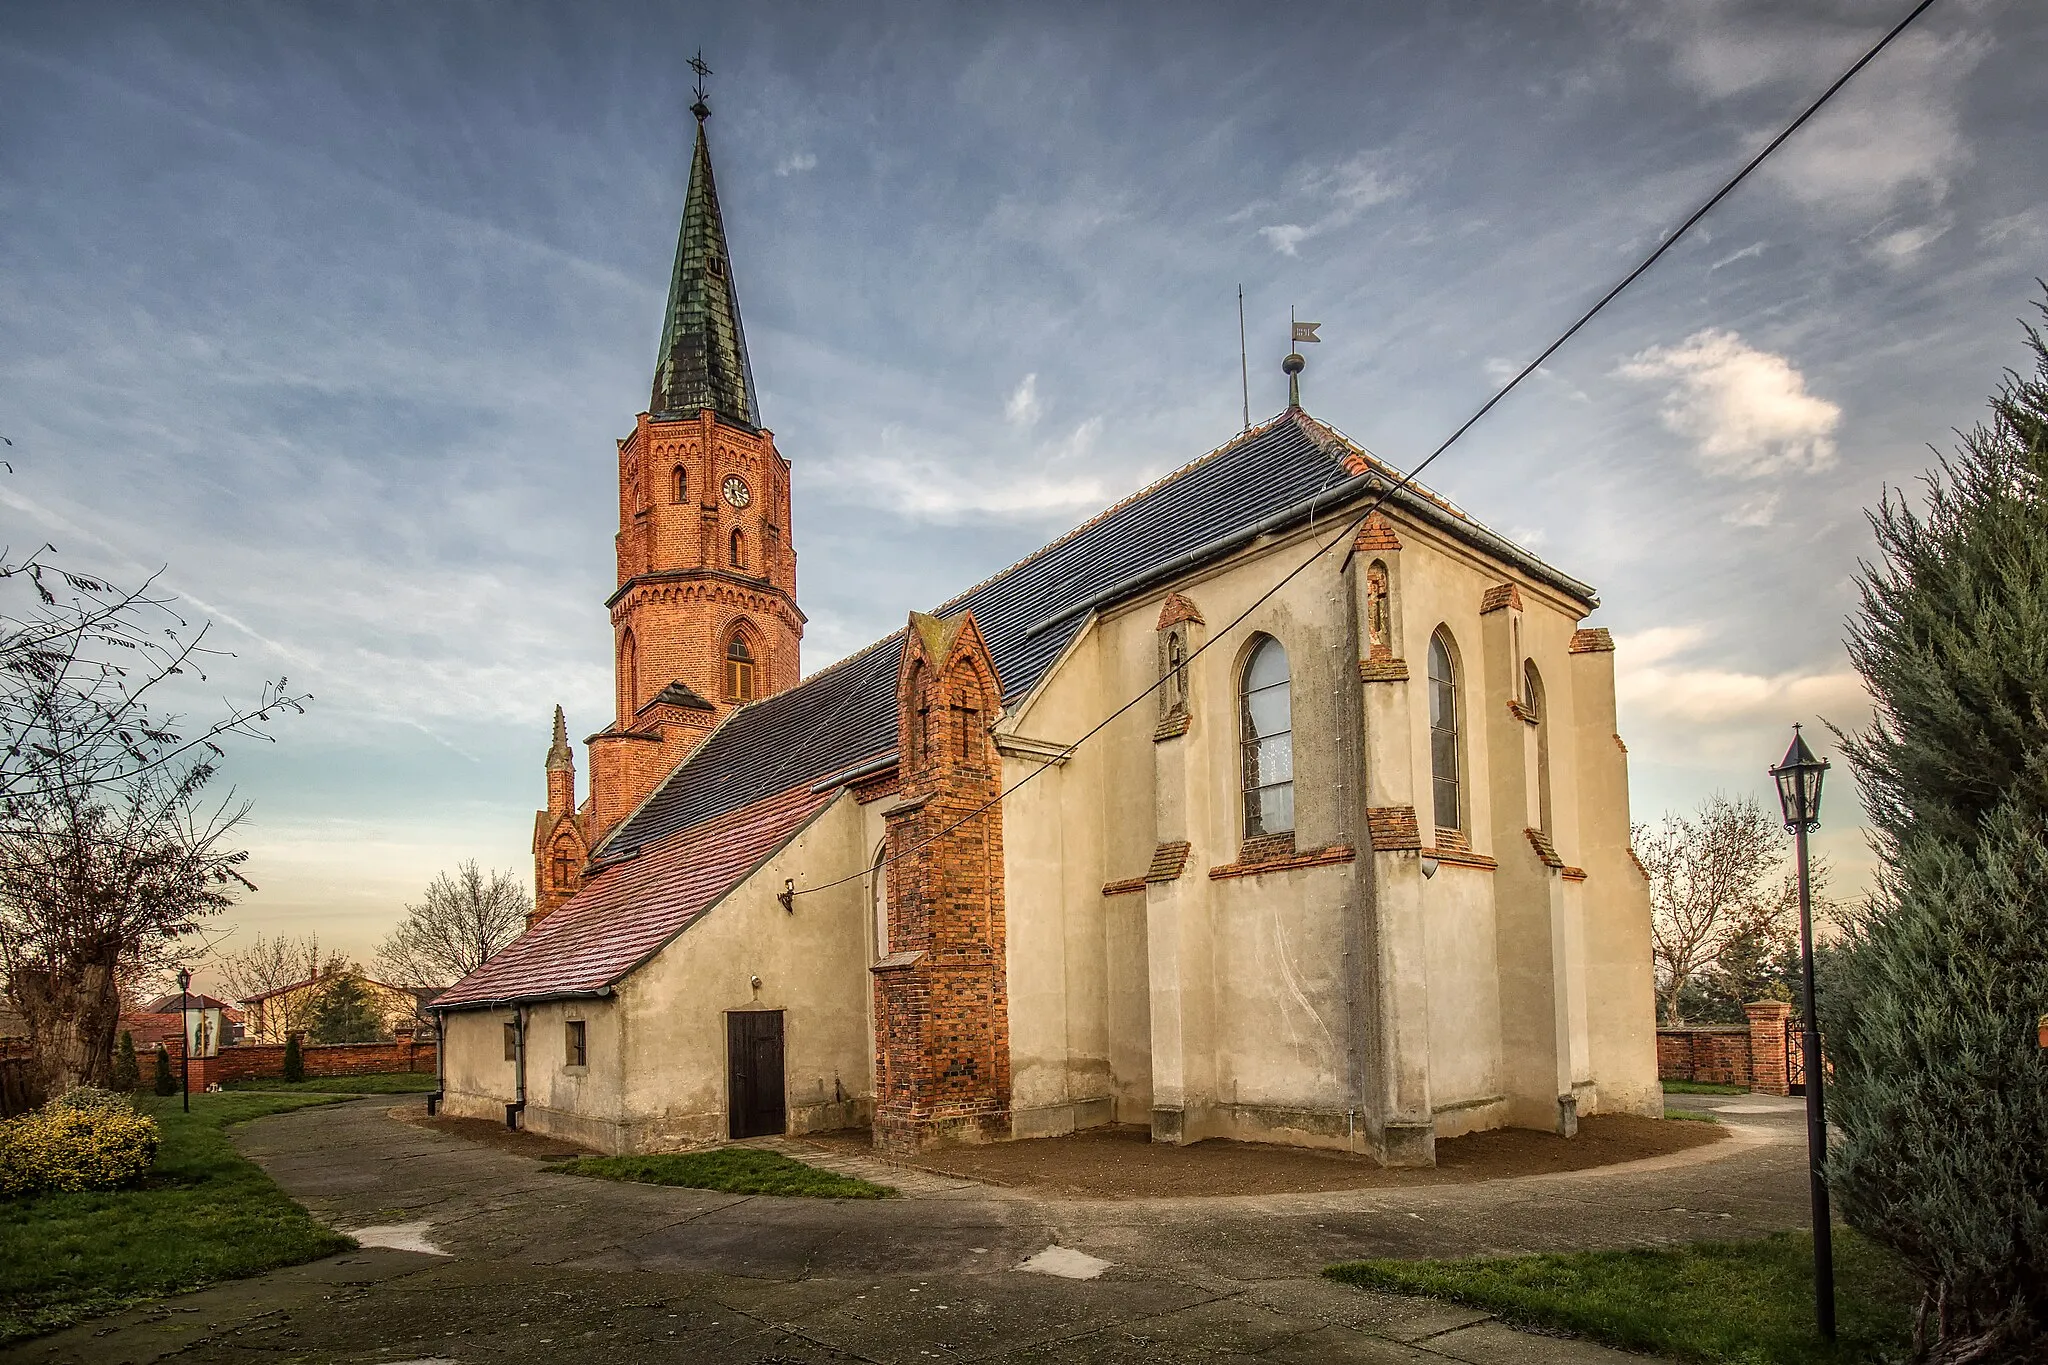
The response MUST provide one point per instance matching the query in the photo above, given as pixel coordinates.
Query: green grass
(1692, 1115)
(733, 1170)
(377, 1083)
(204, 1213)
(1730, 1303)
(1703, 1088)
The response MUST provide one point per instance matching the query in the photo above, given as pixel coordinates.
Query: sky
(333, 314)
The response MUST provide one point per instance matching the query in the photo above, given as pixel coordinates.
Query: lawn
(732, 1170)
(1703, 1088)
(377, 1083)
(1730, 1303)
(1692, 1115)
(205, 1213)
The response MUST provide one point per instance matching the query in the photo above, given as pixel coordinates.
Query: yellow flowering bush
(87, 1139)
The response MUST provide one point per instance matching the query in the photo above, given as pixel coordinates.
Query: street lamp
(185, 1018)
(1799, 777)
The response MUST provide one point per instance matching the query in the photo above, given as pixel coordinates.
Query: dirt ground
(491, 1133)
(1122, 1162)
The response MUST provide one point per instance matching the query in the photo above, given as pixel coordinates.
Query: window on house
(1443, 732)
(573, 1051)
(679, 485)
(739, 548)
(739, 670)
(511, 1042)
(1266, 731)
(1532, 697)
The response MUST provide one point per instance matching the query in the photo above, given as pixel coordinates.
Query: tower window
(565, 868)
(679, 485)
(1266, 732)
(1443, 732)
(739, 670)
(739, 548)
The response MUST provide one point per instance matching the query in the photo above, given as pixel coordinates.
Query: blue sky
(336, 311)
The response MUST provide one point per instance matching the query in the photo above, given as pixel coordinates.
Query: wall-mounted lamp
(755, 982)
(1429, 866)
(788, 894)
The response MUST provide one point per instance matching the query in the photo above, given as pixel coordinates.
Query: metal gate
(1795, 1057)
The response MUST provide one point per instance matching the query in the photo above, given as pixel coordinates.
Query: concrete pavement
(540, 1265)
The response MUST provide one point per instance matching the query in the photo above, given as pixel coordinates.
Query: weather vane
(700, 108)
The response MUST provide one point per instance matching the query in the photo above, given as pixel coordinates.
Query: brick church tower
(704, 617)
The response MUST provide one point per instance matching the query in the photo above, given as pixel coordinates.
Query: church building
(1354, 873)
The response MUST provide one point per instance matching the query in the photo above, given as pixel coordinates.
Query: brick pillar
(942, 1017)
(1768, 1071)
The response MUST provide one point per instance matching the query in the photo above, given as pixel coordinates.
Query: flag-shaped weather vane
(1299, 332)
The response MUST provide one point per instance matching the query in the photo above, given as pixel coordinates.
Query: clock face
(736, 491)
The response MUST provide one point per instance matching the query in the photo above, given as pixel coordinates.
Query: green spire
(703, 360)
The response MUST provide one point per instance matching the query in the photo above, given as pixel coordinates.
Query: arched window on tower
(564, 867)
(679, 485)
(1266, 735)
(629, 676)
(1443, 733)
(1532, 701)
(739, 669)
(739, 548)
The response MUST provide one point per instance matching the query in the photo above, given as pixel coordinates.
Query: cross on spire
(700, 108)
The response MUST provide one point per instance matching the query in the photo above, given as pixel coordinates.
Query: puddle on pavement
(397, 1237)
(1066, 1263)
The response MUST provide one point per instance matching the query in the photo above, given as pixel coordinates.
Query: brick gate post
(1769, 1067)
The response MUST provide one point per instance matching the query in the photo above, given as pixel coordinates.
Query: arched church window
(679, 485)
(565, 867)
(739, 669)
(1443, 732)
(1266, 733)
(878, 889)
(1532, 698)
(739, 548)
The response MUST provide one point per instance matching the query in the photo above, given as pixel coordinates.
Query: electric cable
(1669, 241)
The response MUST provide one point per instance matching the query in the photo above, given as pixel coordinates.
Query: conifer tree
(166, 1083)
(1939, 1088)
(294, 1059)
(127, 1073)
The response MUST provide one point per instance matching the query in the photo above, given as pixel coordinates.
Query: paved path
(511, 1264)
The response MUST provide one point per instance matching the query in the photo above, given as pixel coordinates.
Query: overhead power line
(1670, 240)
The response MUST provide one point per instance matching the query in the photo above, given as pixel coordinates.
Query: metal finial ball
(1294, 364)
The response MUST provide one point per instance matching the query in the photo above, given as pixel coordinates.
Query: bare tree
(110, 854)
(269, 965)
(1715, 890)
(463, 920)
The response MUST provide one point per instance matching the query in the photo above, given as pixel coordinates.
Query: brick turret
(561, 835)
(942, 1030)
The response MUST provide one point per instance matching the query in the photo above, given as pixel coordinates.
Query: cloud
(1021, 409)
(796, 163)
(1902, 244)
(1746, 411)
(1893, 135)
(1756, 512)
(1750, 252)
(1339, 193)
(1656, 683)
(932, 487)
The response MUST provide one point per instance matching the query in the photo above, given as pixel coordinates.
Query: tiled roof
(632, 908)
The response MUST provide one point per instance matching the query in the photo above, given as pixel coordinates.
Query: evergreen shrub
(165, 1081)
(127, 1074)
(294, 1059)
(1939, 1088)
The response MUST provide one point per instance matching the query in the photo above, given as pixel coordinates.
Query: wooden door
(753, 1051)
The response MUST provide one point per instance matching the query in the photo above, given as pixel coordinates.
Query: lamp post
(185, 1018)
(1799, 777)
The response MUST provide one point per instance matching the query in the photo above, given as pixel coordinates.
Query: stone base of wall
(1057, 1120)
(900, 1135)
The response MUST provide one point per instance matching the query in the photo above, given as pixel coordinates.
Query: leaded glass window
(1266, 731)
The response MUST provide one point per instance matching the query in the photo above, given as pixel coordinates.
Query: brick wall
(1717, 1055)
(265, 1061)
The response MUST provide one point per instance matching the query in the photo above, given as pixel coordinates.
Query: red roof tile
(631, 909)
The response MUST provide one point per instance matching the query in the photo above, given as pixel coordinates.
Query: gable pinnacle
(560, 755)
